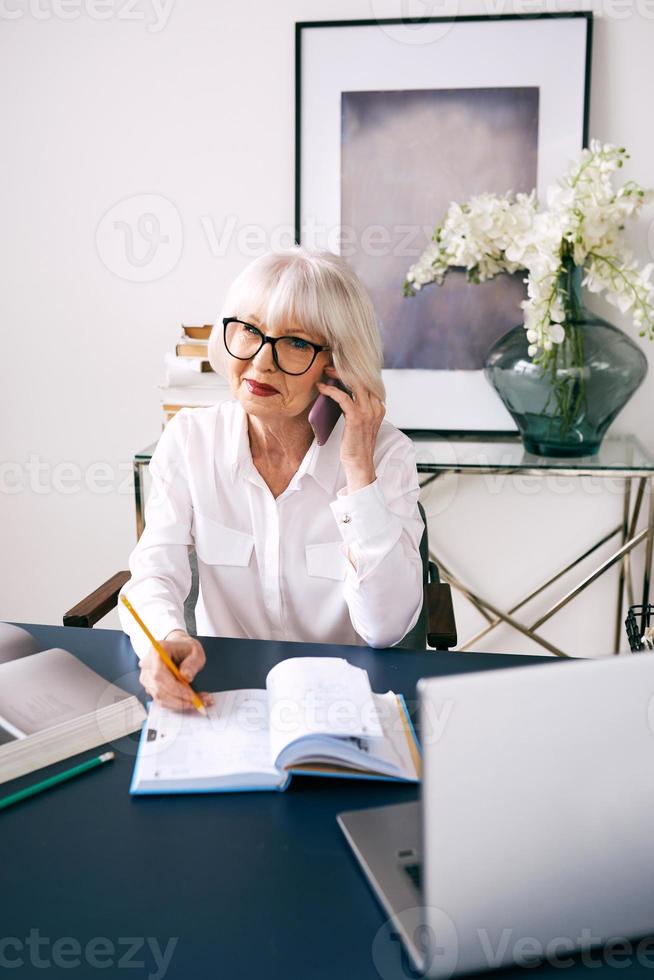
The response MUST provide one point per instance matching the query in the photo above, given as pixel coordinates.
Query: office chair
(435, 628)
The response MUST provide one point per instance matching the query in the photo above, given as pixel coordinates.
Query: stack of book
(190, 380)
(53, 706)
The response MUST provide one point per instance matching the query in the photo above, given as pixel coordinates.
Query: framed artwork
(389, 131)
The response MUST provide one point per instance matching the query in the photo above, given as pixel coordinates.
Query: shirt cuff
(363, 514)
(160, 626)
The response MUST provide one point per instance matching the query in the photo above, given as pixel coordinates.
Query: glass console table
(484, 453)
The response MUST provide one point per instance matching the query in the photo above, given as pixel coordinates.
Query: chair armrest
(98, 603)
(441, 627)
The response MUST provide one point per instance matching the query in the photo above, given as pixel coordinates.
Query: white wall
(194, 102)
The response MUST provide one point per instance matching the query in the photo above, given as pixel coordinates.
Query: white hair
(318, 292)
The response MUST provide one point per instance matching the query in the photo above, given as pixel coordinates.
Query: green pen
(61, 777)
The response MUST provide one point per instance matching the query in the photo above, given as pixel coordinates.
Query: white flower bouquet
(583, 226)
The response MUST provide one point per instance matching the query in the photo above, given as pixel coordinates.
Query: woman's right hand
(185, 651)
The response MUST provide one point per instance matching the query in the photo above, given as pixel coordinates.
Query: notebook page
(311, 696)
(391, 755)
(232, 739)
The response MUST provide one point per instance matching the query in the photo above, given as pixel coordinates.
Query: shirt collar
(320, 462)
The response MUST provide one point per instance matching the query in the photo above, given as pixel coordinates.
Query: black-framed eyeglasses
(292, 355)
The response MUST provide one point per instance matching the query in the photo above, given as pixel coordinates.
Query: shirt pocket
(326, 560)
(218, 544)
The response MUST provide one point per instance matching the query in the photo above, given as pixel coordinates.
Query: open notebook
(53, 706)
(317, 715)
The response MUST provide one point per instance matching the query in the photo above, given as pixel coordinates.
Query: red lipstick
(258, 389)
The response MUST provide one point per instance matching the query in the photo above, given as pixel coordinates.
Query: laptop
(534, 833)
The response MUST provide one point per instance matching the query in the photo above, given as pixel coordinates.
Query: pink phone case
(325, 413)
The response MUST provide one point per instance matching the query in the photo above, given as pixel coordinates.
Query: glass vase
(564, 406)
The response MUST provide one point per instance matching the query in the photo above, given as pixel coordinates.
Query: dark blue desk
(248, 884)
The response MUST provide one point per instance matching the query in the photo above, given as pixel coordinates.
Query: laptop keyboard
(414, 872)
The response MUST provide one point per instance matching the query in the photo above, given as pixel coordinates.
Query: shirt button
(346, 518)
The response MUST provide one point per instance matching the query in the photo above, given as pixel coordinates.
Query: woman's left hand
(363, 417)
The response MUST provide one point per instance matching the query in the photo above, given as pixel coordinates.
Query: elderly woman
(294, 541)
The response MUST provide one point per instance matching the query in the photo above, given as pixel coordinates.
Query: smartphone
(325, 413)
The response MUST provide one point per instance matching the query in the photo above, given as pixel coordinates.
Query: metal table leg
(631, 541)
(647, 573)
(625, 558)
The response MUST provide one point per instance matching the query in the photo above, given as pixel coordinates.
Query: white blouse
(276, 569)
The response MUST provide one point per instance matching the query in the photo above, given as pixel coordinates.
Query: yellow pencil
(172, 667)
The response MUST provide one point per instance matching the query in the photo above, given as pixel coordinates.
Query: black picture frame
(409, 404)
